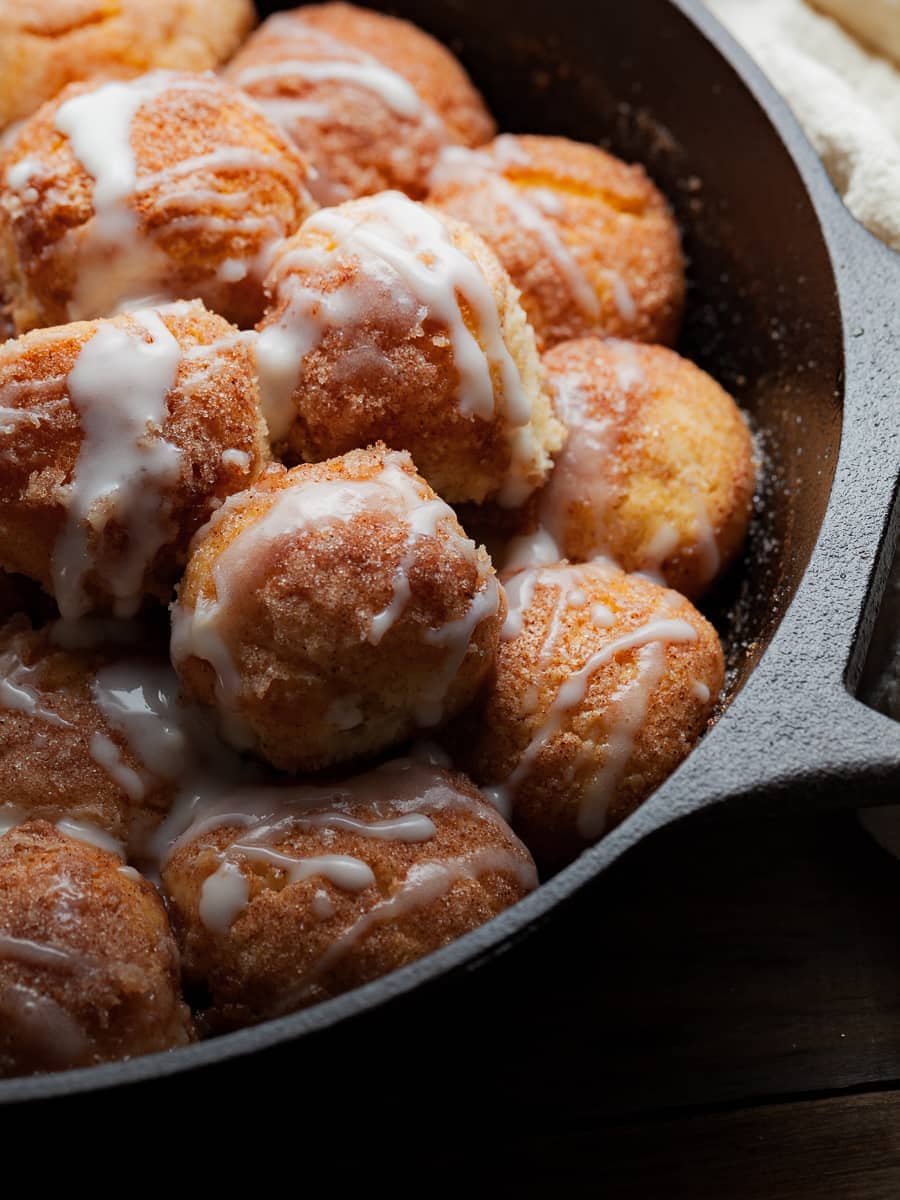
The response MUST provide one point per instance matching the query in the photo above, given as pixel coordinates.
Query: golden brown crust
(618, 234)
(213, 408)
(298, 621)
(357, 141)
(181, 248)
(389, 375)
(558, 638)
(279, 953)
(428, 65)
(48, 770)
(97, 977)
(659, 471)
(48, 45)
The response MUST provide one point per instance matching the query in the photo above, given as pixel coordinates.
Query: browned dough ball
(603, 683)
(47, 45)
(392, 323)
(89, 969)
(658, 472)
(323, 889)
(333, 609)
(589, 240)
(369, 99)
(61, 758)
(78, 406)
(168, 186)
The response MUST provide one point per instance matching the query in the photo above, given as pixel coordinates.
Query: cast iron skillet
(797, 310)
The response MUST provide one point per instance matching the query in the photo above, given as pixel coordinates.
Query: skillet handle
(797, 732)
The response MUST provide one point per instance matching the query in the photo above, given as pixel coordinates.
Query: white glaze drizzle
(11, 419)
(534, 549)
(12, 817)
(107, 755)
(404, 255)
(709, 557)
(201, 631)
(585, 469)
(622, 297)
(120, 264)
(390, 88)
(91, 835)
(406, 790)
(398, 796)
(19, 691)
(319, 58)
(223, 898)
(114, 255)
(625, 714)
(409, 827)
(455, 638)
(173, 742)
(236, 458)
(34, 954)
(140, 700)
(327, 57)
(119, 386)
(425, 883)
(20, 174)
(170, 739)
(626, 711)
(527, 207)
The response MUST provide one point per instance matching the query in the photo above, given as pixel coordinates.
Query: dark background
(718, 1016)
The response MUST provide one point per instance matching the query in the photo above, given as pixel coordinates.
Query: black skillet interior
(796, 310)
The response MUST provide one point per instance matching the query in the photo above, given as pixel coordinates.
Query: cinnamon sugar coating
(333, 609)
(212, 408)
(589, 240)
(89, 970)
(50, 768)
(370, 99)
(602, 684)
(659, 470)
(277, 943)
(385, 313)
(207, 186)
(47, 45)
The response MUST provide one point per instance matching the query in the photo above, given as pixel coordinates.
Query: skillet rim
(506, 930)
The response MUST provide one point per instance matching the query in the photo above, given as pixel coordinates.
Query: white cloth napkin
(845, 97)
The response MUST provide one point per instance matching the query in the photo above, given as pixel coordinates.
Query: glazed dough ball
(658, 472)
(370, 100)
(89, 970)
(168, 186)
(333, 609)
(321, 890)
(391, 323)
(603, 683)
(588, 239)
(47, 45)
(95, 739)
(118, 438)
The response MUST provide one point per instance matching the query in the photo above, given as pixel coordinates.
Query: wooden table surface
(719, 1016)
